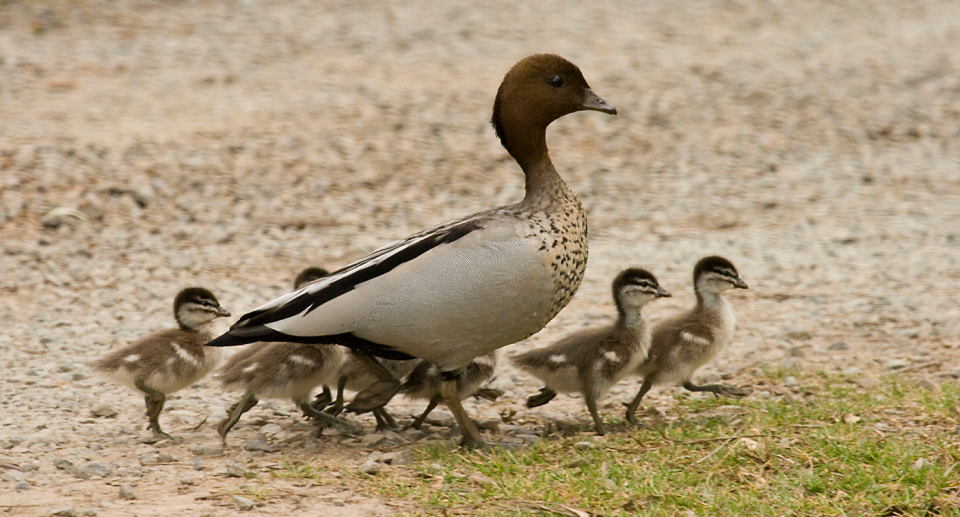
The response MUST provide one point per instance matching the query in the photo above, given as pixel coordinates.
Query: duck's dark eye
(556, 81)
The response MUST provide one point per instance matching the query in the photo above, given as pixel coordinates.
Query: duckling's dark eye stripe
(356, 274)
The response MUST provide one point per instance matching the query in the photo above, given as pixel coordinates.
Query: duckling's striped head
(195, 306)
(634, 287)
(309, 275)
(716, 274)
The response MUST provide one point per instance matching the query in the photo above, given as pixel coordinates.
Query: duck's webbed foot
(385, 420)
(236, 411)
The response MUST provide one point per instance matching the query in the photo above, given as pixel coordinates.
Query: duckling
(685, 342)
(423, 383)
(283, 371)
(356, 375)
(592, 361)
(467, 287)
(168, 360)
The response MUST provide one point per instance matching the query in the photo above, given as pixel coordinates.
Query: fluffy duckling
(685, 342)
(592, 361)
(356, 375)
(423, 383)
(168, 360)
(467, 287)
(282, 371)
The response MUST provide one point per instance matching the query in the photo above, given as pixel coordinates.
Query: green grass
(827, 450)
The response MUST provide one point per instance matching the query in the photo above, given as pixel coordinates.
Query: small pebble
(257, 444)
(206, 450)
(234, 470)
(197, 464)
(866, 382)
(838, 345)
(90, 512)
(126, 492)
(243, 504)
(926, 384)
(896, 364)
(64, 512)
(61, 463)
(580, 446)
(29, 467)
(851, 371)
(22, 485)
(93, 470)
(337, 502)
(370, 468)
(480, 479)
(186, 481)
(790, 381)
(104, 411)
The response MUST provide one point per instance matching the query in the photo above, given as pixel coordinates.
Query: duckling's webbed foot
(418, 422)
(719, 389)
(325, 419)
(378, 394)
(633, 405)
(385, 420)
(323, 399)
(337, 406)
(597, 421)
(154, 400)
(491, 394)
(236, 411)
(546, 395)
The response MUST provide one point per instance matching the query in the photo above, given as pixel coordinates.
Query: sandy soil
(146, 146)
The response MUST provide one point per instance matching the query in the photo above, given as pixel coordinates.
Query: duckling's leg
(632, 407)
(451, 397)
(546, 395)
(326, 419)
(384, 420)
(323, 399)
(380, 392)
(246, 404)
(337, 406)
(719, 389)
(154, 401)
(591, 400)
(418, 422)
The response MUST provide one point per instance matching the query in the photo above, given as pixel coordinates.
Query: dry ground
(231, 144)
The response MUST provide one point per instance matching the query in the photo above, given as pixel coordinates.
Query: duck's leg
(546, 395)
(325, 419)
(246, 404)
(154, 401)
(337, 406)
(451, 397)
(591, 400)
(418, 422)
(323, 399)
(632, 407)
(718, 389)
(380, 392)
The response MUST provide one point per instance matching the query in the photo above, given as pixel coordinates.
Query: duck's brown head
(536, 91)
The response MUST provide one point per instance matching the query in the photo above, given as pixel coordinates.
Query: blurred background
(149, 145)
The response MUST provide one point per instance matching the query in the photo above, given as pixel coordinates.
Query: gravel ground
(147, 146)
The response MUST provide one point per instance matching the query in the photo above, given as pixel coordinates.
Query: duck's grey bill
(594, 102)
